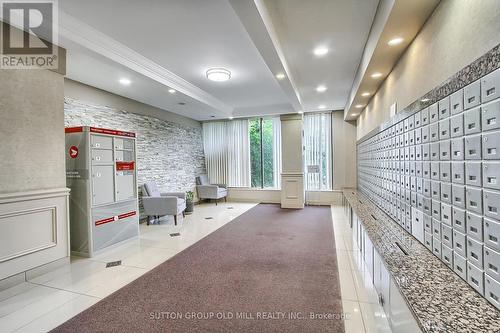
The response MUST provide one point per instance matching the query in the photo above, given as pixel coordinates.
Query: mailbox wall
(437, 173)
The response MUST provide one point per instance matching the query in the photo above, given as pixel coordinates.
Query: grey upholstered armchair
(210, 191)
(158, 204)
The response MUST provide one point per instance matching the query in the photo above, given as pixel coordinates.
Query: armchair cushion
(202, 180)
(151, 189)
(180, 195)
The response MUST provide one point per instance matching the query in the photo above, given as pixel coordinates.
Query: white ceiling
(160, 44)
(342, 26)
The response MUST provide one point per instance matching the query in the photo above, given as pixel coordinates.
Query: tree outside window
(261, 152)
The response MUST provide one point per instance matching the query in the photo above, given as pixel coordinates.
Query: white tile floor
(46, 301)
(359, 298)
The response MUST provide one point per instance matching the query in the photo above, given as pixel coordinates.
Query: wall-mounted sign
(73, 151)
(313, 168)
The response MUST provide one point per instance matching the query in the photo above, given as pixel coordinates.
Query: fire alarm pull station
(102, 174)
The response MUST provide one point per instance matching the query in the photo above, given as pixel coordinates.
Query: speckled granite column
(168, 153)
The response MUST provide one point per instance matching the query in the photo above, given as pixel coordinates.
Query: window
(318, 151)
(265, 151)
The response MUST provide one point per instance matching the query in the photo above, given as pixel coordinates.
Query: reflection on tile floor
(46, 301)
(359, 297)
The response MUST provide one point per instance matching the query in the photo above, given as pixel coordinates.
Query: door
(102, 184)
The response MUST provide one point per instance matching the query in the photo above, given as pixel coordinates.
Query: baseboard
(43, 269)
(12, 281)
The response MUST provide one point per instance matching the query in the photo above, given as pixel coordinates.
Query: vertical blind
(318, 153)
(227, 152)
(227, 155)
(277, 151)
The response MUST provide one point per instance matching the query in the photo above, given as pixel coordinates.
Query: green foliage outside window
(261, 152)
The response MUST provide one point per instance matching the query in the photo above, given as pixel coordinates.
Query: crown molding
(84, 35)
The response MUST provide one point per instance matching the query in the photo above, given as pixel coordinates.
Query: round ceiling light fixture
(125, 81)
(218, 74)
(280, 76)
(320, 51)
(395, 41)
(321, 88)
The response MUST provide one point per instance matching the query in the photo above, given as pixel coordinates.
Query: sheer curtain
(318, 151)
(238, 152)
(227, 154)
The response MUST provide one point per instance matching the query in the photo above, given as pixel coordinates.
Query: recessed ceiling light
(320, 51)
(231, 118)
(321, 106)
(321, 88)
(172, 91)
(125, 82)
(365, 94)
(425, 100)
(280, 76)
(395, 41)
(376, 75)
(300, 112)
(359, 106)
(353, 115)
(218, 74)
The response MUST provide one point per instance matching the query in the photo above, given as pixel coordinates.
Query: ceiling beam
(257, 22)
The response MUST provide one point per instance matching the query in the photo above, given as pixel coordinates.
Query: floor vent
(113, 263)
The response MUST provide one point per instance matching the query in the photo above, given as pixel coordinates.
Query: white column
(292, 175)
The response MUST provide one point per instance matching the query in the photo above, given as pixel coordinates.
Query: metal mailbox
(491, 201)
(492, 263)
(460, 265)
(472, 95)
(473, 147)
(491, 233)
(459, 219)
(490, 118)
(447, 255)
(433, 113)
(475, 226)
(475, 252)
(490, 85)
(459, 243)
(457, 172)
(475, 278)
(457, 102)
(473, 173)
(472, 121)
(457, 126)
(491, 145)
(101, 172)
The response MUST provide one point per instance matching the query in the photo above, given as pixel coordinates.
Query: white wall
(344, 152)
(33, 194)
(457, 33)
(31, 130)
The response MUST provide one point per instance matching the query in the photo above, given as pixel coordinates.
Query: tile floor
(46, 301)
(359, 298)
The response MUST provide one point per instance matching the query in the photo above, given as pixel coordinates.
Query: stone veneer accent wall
(168, 153)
